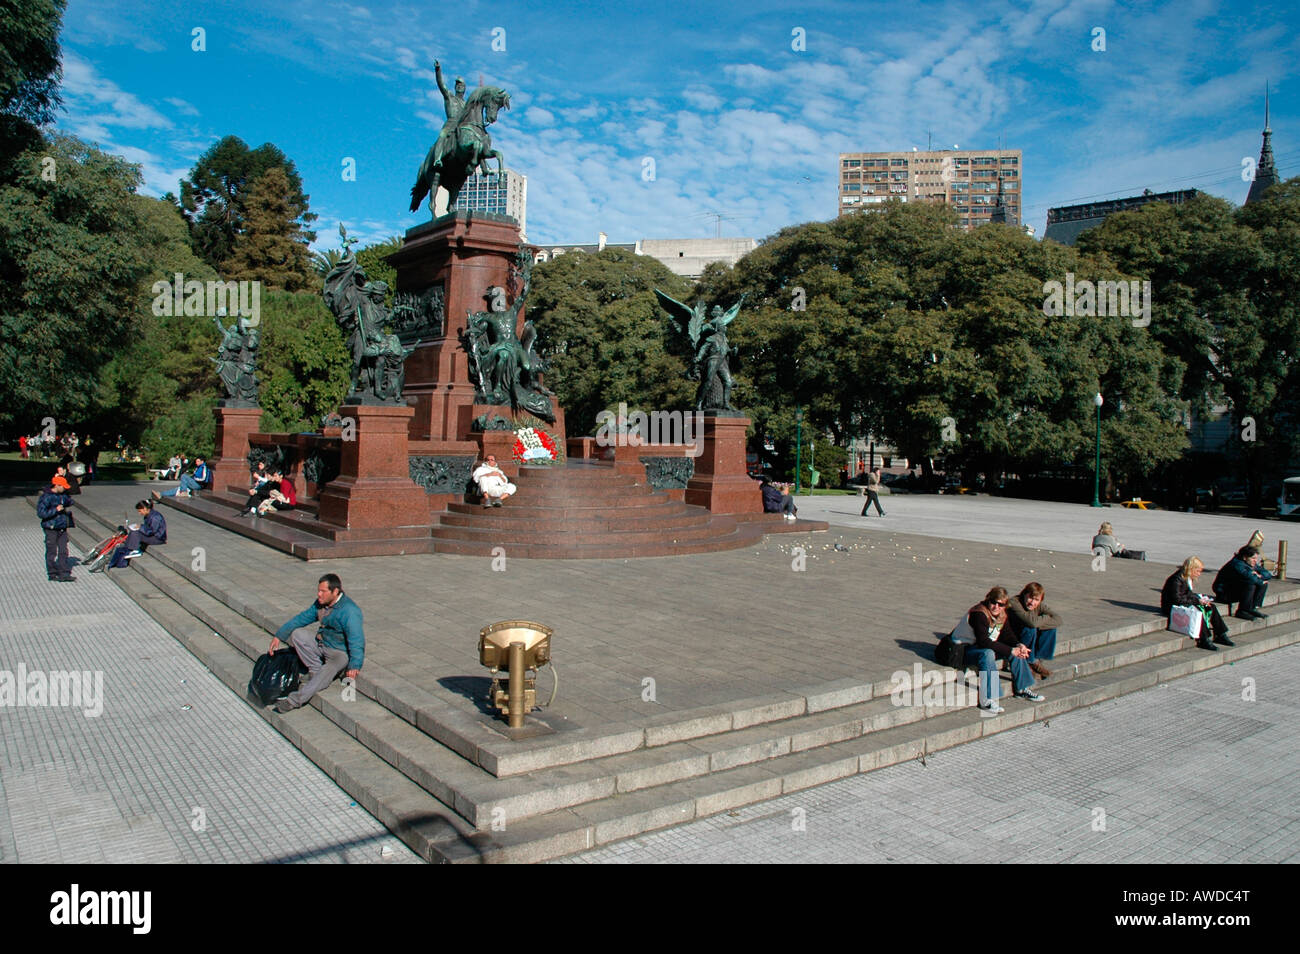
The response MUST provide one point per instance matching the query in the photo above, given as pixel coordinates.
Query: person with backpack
(53, 508)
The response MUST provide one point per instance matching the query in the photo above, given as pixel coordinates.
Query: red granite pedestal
(721, 481)
(234, 425)
(466, 255)
(374, 489)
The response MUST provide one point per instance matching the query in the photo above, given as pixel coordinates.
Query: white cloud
(83, 87)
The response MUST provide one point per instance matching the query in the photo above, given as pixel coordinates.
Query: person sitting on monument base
(493, 485)
(777, 499)
(281, 496)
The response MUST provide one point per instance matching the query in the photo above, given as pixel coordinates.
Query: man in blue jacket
(52, 509)
(328, 638)
(199, 480)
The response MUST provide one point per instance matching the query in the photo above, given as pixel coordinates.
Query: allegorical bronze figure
(710, 353)
(378, 359)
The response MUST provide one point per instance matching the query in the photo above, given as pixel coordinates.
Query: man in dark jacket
(328, 638)
(1244, 581)
(52, 509)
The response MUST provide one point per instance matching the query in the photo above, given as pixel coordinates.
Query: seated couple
(1019, 632)
(492, 482)
(273, 491)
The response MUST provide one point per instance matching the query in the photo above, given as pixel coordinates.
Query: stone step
(1084, 653)
(298, 536)
(510, 519)
(618, 536)
(735, 539)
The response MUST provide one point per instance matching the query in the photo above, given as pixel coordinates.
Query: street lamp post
(1096, 475)
(798, 446)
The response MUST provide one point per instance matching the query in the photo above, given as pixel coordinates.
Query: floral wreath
(532, 443)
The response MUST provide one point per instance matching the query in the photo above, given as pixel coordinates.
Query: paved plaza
(797, 611)
(176, 768)
(1168, 536)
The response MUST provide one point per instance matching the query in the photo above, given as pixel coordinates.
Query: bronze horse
(455, 156)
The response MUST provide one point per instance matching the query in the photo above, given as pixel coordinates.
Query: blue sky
(737, 121)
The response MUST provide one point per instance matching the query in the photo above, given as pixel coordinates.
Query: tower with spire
(1266, 170)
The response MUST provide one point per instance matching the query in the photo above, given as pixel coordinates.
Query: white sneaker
(993, 708)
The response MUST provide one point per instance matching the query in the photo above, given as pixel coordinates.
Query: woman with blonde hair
(1105, 542)
(1179, 590)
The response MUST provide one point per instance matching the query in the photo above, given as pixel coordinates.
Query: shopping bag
(1186, 620)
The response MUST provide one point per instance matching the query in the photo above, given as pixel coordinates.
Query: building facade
(1067, 222)
(504, 194)
(981, 185)
(685, 257)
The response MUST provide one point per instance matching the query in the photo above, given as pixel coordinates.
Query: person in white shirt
(492, 483)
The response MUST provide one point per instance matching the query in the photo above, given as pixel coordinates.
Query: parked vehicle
(1288, 502)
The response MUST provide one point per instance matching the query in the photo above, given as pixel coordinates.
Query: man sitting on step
(327, 636)
(492, 483)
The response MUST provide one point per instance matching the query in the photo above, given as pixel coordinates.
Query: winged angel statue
(711, 355)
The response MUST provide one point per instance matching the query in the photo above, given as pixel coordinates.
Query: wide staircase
(451, 780)
(583, 510)
(586, 510)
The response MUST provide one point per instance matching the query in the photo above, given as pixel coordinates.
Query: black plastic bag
(274, 677)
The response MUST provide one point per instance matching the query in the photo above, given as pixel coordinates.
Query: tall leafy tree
(214, 198)
(936, 340)
(70, 268)
(304, 363)
(29, 72)
(158, 389)
(602, 333)
(272, 248)
(1224, 308)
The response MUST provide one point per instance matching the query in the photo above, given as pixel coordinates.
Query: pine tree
(273, 246)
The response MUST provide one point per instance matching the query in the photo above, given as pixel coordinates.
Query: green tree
(897, 324)
(304, 363)
(272, 248)
(71, 269)
(214, 198)
(1223, 306)
(602, 334)
(29, 73)
(164, 364)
